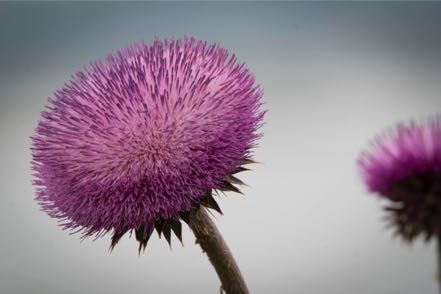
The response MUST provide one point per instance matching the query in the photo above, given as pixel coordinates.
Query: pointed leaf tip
(143, 235)
(177, 229)
(248, 161)
(158, 226)
(233, 180)
(117, 235)
(240, 169)
(227, 186)
(209, 202)
(185, 216)
(166, 231)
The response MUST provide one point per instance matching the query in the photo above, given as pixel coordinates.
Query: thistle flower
(405, 167)
(141, 139)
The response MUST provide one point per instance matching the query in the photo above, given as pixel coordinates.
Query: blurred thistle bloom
(141, 140)
(405, 167)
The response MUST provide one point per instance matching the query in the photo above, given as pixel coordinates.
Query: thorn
(248, 161)
(230, 187)
(177, 229)
(240, 169)
(117, 235)
(143, 235)
(142, 246)
(158, 226)
(185, 216)
(166, 231)
(233, 180)
(209, 202)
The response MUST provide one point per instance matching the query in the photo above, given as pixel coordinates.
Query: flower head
(136, 141)
(405, 167)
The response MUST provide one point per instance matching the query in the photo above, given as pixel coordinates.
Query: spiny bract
(141, 138)
(405, 167)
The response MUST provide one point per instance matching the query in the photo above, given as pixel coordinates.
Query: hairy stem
(212, 243)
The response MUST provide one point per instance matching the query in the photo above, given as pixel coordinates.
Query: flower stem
(212, 243)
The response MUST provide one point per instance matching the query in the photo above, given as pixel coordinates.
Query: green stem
(212, 243)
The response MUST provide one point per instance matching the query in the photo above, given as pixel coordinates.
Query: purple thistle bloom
(138, 140)
(405, 167)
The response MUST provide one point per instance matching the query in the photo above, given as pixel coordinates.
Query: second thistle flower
(405, 167)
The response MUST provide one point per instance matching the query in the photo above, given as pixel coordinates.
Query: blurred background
(334, 75)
